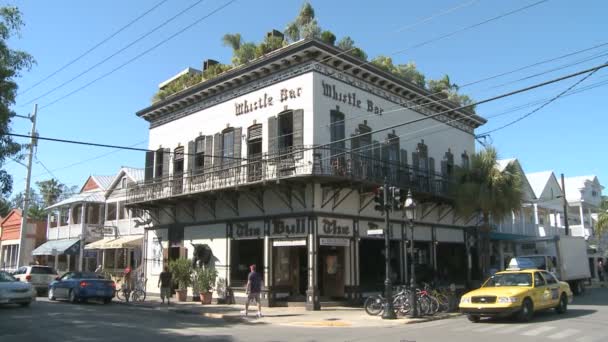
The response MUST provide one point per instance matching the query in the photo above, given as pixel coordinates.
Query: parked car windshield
(5, 277)
(42, 270)
(509, 279)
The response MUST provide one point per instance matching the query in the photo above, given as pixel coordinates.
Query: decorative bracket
(328, 194)
(443, 213)
(232, 201)
(284, 194)
(171, 212)
(338, 200)
(365, 199)
(209, 205)
(189, 209)
(257, 198)
(425, 214)
(299, 193)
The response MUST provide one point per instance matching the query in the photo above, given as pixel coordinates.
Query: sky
(567, 136)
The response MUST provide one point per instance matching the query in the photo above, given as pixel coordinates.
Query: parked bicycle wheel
(138, 295)
(424, 305)
(401, 304)
(120, 295)
(374, 305)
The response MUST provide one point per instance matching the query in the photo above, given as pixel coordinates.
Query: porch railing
(290, 163)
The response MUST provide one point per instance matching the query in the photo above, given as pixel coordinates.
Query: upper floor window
(123, 183)
(76, 212)
(64, 217)
(594, 193)
(178, 161)
(122, 210)
(286, 131)
(199, 154)
(285, 137)
(159, 163)
(337, 129)
(111, 211)
(228, 146)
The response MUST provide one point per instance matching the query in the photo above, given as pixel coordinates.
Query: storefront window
(245, 253)
(371, 263)
(109, 258)
(121, 258)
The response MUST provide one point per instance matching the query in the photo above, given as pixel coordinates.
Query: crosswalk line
(538, 331)
(589, 338)
(564, 333)
(489, 327)
(511, 328)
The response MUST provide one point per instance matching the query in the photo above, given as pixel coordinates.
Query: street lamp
(410, 213)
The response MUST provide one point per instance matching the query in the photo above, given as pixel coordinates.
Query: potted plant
(182, 275)
(204, 281)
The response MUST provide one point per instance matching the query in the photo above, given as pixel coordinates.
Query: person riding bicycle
(127, 285)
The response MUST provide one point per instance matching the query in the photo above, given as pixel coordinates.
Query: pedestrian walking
(254, 289)
(600, 269)
(164, 282)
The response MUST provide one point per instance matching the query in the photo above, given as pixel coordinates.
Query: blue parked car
(80, 286)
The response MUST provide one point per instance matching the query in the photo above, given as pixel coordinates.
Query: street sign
(375, 231)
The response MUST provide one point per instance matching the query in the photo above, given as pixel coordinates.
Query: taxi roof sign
(517, 264)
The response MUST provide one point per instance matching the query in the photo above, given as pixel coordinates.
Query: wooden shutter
(298, 132)
(273, 141)
(190, 158)
(208, 153)
(238, 132)
(217, 150)
(166, 158)
(149, 171)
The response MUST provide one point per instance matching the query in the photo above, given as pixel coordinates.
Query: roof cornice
(298, 53)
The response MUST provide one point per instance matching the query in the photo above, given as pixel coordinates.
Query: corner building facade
(244, 163)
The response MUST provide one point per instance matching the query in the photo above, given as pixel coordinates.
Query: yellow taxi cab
(516, 292)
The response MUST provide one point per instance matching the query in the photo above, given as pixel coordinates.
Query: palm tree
(602, 219)
(50, 191)
(486, 191)
(232, 40)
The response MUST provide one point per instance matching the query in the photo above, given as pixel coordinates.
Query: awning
(121, 242)
(56, 247)
(510, 237)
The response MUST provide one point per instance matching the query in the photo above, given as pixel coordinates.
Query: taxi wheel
(527, 310)
(562, 307)
(474, 318)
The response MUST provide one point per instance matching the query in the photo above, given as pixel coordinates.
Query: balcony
(323, 164)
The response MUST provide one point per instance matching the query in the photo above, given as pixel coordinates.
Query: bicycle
(137, 294)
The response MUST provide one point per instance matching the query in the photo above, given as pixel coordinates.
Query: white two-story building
(254, 165)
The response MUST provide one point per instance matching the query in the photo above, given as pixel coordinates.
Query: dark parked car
(80, 286)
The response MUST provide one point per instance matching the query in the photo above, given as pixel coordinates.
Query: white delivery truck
(565, 256)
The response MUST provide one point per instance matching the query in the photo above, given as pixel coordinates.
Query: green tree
(304, 25)
(328, 37)
(602, 219)
(410, 73)
(5, 207)
(484, 190)
(12, 63)
(348, 44)
(51, 191)
(35, 209)
(269, 44)
(232, 40)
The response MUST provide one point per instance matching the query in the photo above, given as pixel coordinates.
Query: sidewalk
(290, 316)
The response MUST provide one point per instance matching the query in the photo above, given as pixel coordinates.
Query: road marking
(512, 328)
(588, 338)
(537, 331)
(489, 327)
(564, 333)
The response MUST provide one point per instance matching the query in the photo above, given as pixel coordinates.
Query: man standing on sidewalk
(164, 282)
(254, 288)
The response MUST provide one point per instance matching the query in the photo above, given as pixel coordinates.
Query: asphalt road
(60, 321)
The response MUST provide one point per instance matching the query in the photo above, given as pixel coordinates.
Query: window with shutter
(178, 161)
(159, 163)
(298, 133)
(337, 133)
(254, 153)
(190, 153)
(227, 148)
(236, 155)
(149, 170)
(273, 139)
(217, 151)
(199, 155)
(285, 138)
(208, 158)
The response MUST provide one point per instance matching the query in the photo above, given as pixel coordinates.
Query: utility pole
(26, 199)
(389, 312)
(567, 226)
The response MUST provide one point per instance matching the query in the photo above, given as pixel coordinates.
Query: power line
(544, 104)
(115, 53)
(439, 14)
(494, 98)
(44, 166)
(429, 96)
(139, 55)
(94, 47)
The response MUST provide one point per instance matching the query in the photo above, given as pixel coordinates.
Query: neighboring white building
(548, 208)
(95, 228)
(584, 195)
(245, 166)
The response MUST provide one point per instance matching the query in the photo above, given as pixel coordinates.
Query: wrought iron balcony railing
(290, 163)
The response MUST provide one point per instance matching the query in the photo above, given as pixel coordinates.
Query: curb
(432, 318)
